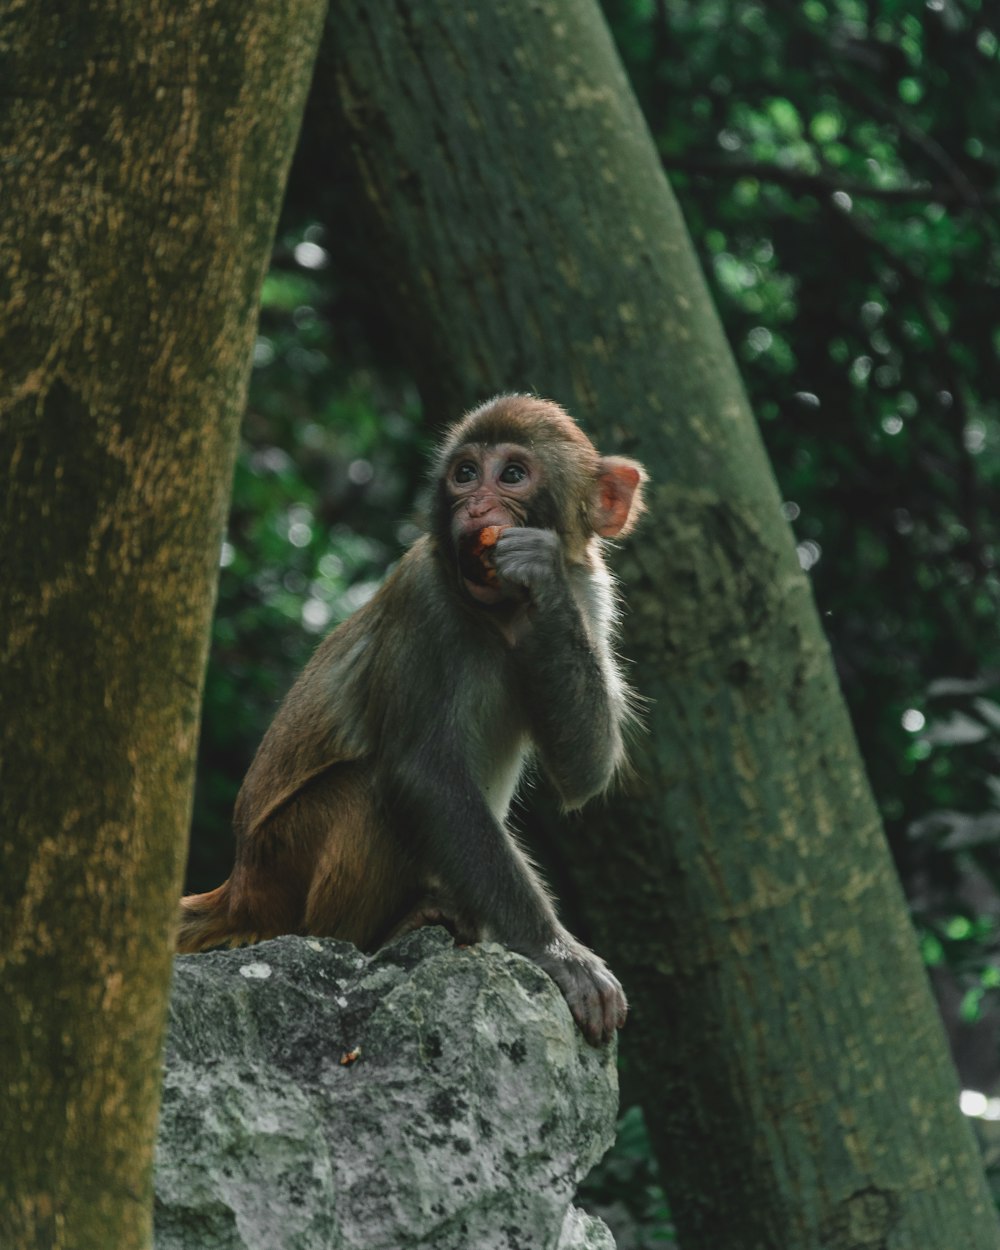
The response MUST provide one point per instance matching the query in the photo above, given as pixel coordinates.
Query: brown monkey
(378, 799)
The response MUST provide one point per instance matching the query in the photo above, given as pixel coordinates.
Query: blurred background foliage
(837, 162)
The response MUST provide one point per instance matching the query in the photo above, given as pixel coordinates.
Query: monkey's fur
(378, 798)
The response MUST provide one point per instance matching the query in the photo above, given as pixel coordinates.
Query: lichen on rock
(427, 1096)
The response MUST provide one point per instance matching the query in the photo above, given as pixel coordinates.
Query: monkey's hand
(591, 990)
(531, 559)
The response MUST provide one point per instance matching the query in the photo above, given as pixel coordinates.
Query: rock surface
(470, 1112)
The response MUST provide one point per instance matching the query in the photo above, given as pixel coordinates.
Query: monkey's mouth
(478, 586)
(475, 567)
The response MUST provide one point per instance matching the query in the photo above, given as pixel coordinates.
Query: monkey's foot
(430, 913)
(592, 991)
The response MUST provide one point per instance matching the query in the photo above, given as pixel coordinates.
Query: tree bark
(144, 151)
(795, 1075)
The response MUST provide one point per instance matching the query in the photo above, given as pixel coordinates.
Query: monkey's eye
(465, 472)
(513, 473)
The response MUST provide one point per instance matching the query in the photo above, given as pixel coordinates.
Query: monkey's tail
(206, 921)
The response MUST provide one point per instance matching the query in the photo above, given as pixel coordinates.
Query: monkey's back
(317, 847)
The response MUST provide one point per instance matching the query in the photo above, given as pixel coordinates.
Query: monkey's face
(488, 488)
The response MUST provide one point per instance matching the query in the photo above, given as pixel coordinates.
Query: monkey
(378, 799)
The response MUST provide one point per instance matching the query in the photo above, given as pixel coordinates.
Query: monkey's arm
(575, 698)
(434, 798)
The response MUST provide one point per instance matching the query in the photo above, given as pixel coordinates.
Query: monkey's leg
(267, 887)
(361, 879)
(437, 907)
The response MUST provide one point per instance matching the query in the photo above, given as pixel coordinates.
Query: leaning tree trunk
(144, 150)
(796, 1078)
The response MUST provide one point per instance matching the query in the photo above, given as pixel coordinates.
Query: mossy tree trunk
(795, 1076)
(144, 150)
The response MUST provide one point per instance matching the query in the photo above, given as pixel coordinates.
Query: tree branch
(821, 184)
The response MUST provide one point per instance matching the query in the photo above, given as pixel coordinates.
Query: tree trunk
(794, 1072)
(144, 150)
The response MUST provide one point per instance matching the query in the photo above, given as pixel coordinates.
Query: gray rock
(466, 1120)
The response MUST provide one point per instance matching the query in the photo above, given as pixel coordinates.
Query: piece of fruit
(485, 541)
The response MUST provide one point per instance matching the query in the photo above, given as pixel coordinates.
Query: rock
(424, 1097)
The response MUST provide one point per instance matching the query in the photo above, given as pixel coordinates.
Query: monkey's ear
(618, 499)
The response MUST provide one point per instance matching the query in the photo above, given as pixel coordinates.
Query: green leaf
(825, 127)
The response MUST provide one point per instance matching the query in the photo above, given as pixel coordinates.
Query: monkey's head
(520, 460)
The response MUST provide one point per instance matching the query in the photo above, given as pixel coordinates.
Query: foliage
(624, 1190)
